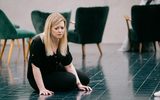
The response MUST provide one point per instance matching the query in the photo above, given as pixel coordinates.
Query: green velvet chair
(39, 18)
(146, 23)
(9, 32)
(89, 26)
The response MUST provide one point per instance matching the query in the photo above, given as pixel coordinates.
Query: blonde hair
(52, 20)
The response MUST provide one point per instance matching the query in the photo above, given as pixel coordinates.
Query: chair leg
(140, 47)
(23, 43)
(159, 43)
(154, 44)
(10, 51)
(3, 47)
(83, 51)
(18, 43)
(29, 44)
(99, 48)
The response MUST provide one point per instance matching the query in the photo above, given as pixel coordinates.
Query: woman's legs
(83, 77)
(60, 81)
(63, 81)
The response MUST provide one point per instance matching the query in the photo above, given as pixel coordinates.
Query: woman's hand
(83, 87)
(45, 92)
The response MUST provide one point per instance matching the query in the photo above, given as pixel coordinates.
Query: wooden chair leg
(29, 44)
(3, 47)
(99, 48)
(10, 51)
(18, 43)
(83, 51)
(23, 43)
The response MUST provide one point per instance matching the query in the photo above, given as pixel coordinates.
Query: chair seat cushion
(73, 37)
(20, 34)
(25, 33)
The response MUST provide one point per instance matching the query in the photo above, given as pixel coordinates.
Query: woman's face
(57, 31)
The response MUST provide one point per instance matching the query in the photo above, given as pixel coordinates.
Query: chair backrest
(39, 19)
(6, 27)
(90, 23)
(146, 22)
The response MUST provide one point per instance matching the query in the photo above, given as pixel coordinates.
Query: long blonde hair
(52, 20)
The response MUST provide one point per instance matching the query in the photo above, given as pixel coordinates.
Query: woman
(50, 65)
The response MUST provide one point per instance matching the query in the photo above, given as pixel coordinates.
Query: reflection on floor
(114, 76)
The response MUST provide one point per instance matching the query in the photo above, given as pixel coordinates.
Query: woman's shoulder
(37, 39)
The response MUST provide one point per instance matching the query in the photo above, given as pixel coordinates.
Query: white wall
(19, 12)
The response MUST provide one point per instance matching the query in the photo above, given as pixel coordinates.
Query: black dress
(52, 68)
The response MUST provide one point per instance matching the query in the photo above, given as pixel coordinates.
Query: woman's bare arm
(39, 81)
(70, 68)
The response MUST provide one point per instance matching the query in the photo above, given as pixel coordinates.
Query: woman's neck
(55, 43)
(54, 40)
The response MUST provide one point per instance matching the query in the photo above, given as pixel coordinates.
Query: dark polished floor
(114, 76)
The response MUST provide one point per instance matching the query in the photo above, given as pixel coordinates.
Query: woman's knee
(62, 81)
(70, 78)
(83, 78)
